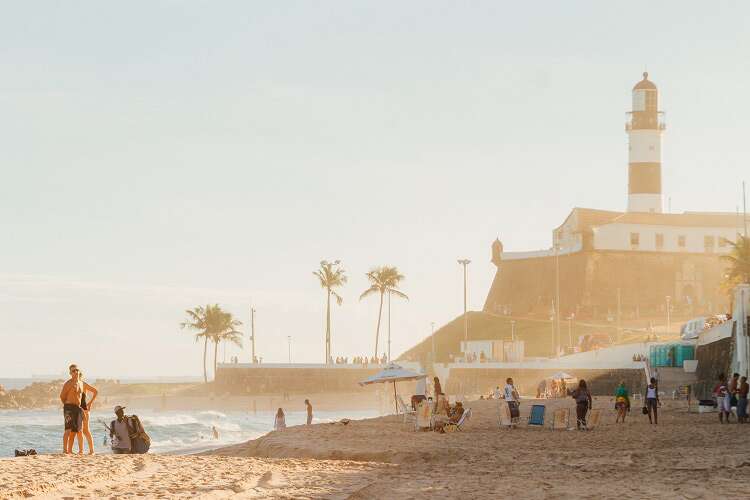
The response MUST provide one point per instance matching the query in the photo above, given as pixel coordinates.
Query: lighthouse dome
(645, 83)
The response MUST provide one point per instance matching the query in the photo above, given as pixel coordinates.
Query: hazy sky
(158, 155)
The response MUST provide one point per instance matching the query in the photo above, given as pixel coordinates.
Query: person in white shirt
(511, 397)
(497, 393)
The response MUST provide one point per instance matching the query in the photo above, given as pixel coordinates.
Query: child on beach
(723, 398)
(622, 402)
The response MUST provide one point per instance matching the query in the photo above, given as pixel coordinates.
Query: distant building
(634, 261)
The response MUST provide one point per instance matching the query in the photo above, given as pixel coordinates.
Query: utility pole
(432, 336)
(619, 315)
(252, 333)
(465, 262)
(557, 297)
(289, 344)
(744, 208)
(389, 326)
(668, 313)
(513, 330)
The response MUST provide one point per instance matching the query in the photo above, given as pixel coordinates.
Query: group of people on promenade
(76, 407)
(360, 360)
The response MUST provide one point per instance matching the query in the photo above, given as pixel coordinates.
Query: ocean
(176, 431)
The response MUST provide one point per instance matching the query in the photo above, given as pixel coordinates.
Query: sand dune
(687, 456)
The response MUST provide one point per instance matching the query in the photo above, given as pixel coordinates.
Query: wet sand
(686, 456)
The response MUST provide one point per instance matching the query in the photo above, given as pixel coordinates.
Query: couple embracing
(76, 411)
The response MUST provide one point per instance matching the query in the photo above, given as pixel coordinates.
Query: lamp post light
(465, 262)
(432, 336)
(289, 347)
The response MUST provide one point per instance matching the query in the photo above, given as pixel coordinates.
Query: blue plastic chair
(536, 416)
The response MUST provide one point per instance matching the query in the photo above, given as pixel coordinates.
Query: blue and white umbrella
(393, 373)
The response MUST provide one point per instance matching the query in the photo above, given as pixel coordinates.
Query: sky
(158, 155)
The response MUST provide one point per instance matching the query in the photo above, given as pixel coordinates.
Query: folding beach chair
(536, 416)
(408, 412)
(594, 417)
(458, 426)
(560, 419)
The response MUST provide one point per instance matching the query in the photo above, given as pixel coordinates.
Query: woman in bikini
(86, 408)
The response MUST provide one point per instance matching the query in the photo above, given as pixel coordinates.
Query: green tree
(738, 260)
(227, 332)
(385, 279)
(331, 275)
(211, 324)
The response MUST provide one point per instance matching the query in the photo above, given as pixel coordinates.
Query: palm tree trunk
(216, 350)
(205, 349)
(328, 327)
(377, 330)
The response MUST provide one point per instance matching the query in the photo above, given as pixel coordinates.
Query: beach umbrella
(561, 376)
(393, 373)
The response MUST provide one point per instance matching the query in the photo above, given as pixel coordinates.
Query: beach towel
(536, 416)
(560, 419)
(424, 415)
(505, 420)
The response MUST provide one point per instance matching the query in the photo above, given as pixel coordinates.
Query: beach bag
(140, 442)
(513, 406)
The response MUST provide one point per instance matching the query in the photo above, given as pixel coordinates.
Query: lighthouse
(644, 127)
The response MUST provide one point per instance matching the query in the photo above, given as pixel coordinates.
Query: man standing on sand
(309, 411)
(119, 433)
(70, 395)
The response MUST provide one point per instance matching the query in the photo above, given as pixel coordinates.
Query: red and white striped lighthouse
(644, 127)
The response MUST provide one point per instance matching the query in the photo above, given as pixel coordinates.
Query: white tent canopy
(561, 376)
(393, 373)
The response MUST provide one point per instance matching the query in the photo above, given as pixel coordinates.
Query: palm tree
(738, 261)
(385, 279)
(202, 320)
(212, 324)
(227, 332)
(331, 275)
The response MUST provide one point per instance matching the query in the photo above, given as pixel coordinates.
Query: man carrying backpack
(127, 434)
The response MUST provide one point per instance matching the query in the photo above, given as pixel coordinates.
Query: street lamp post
(669, 319)
(558, 335)
(252, 333)
(289, 344)
(513, 330)
(465, 262)
(570, 328)
(432, 326)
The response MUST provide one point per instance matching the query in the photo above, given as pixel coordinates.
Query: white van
(692, 328)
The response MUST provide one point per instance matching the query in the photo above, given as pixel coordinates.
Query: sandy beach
(687, 456)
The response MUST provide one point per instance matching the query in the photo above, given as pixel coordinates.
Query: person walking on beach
(309, 411)
(734, 388)
(584, 403)
(652, 401)
(742, 391)
(279, 422)
(70, 395)
(511, 397)
(622, 402)
(86, 408)
(119, 432)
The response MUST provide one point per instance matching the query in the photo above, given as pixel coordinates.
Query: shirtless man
(70, 396)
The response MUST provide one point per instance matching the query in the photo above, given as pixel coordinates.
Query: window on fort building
(708, 243)
(659, 241)
(681, 241)
(635, 239)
